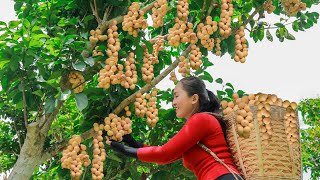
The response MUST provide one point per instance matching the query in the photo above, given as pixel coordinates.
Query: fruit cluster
(99, 156)
(292, 7)
(159, 10)
(184, 67)
(74, 156)
(117, 127)
(96, 35)
(183, 10)
(264, 116)
(181, 32)
(152, 111)
(225, 18)
(291, 122)
(113, 43)
(77, 81)
(204, 31)
(173, 77)
(130, 77)
(241, 46)
(97, 52)
(217, 46)
(244, 116)
(134, 20)
(114, 74)
(195, 57)
(268, 6)
(140, 105)
(147, 67)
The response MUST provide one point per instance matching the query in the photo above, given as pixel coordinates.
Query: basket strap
(219, 160)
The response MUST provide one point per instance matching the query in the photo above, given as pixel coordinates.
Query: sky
(289, 69)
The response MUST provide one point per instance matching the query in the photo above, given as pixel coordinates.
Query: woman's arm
(196, 128)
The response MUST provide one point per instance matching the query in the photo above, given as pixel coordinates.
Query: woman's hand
(126, 150)
(129, 140)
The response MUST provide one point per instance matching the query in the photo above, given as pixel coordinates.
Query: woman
(192, 101)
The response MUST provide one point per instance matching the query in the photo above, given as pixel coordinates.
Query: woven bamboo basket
(276, 160)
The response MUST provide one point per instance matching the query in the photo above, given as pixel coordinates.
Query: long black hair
(208, 101)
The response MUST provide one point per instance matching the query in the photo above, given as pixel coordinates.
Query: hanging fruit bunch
(152, 111)
(182, 31)
(241, 46)
(77, 81)
(96, 35)
(268, 6)
(128, 79)
(292, 7)
(159, 10)
(195, 57)
(99, 156)
(140, 105)
(184, 67)
(225, 18)
(134, 20)
(173, 77)
(117, 127)
(74, 156)
(217, 46)
(204, 31)
(107, 75)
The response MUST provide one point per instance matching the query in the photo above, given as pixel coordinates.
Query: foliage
(310, 110)
(38, 50)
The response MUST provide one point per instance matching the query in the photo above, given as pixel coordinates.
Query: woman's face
(185, 106)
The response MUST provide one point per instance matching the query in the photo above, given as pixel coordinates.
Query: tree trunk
(30, 154)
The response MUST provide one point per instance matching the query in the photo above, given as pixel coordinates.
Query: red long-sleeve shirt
(201, 127)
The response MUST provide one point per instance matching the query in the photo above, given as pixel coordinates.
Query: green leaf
(139, 52)
(220, 93)
(240, 93)
(269, 36)
(38, 93)
(26, 23)
(13, 24)
(289, 36)
(80, 66)
(89, 61)
(219, 81)
(280, 25)
(230, 85)
(64, 95)
(49, 105)
(2, 63)
(114, 157)
(81, 101)
(149, 46)
(17, 6)
(159, 175)
(206, 76)
(229, 92)
(295, 26)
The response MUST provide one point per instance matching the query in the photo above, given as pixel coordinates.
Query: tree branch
(233, 32)
(18, 134)
(95, 11)
(24, 104)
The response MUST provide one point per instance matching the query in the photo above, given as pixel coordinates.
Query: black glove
(128, 139)
(126, 150)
